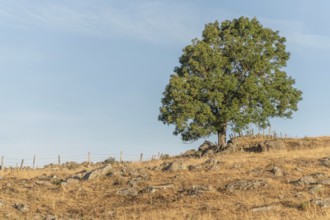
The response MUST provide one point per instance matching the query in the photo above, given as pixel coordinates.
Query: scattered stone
(323, 203)
(271, 145)
(211, 164)
(325, 182)
(50, 217)
(43, 183)
(277, 171)
(207, 148)
(306, 180)
(128, 192)
(196, 189)
(325, 162)
(152, 189)
(21, 207)
(315, 189)
(2, 203)
(172, 166)
(245, 185)
(191, 153)
(98, 173)
(263, 208)
(138, 180)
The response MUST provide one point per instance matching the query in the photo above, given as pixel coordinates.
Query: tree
(231, 78)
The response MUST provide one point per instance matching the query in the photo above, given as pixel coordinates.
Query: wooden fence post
(59, 159)
(34, 161)
(89, 157)
(141, 157)
(22, 162)
(121, 156)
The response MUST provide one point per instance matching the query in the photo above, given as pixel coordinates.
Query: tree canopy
(230, 78)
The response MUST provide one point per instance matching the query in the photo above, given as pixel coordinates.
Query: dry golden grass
(98, 199)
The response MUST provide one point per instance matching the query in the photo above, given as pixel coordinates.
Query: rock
(206, 147)
(271, 145)
(263, 208)
(98, 173)
(196, 189)
(323, 203)
(43, 183)
(190, 153)
(2, 203)
(172, 166)
(211, 164)
(21, 207)
(325, 162)
(137, 180)
(50, 217)
(152, 189)
(277, 171)
(306, 180)
(245, 185)
(325, 182)
(128, 192)
(315, 189)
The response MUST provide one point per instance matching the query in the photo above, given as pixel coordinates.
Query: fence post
(34, 161)
(2, 159)
(89, 157)
(59, 159)
(141, 157)
(121, 156)
(269, 130)
(22, 162)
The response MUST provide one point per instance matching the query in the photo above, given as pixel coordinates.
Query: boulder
(271, 145)
(152, 189)
(245, 185)
(171, 166)
(325, 162)
(128, 192)
(190, 153)
(206, 147)
(98, 173)
(323, 203)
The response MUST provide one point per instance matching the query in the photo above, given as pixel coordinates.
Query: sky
(80, 76)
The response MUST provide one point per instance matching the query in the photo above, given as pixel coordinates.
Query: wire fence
(37, 162)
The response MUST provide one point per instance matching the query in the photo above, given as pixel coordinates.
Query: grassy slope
(98, 199)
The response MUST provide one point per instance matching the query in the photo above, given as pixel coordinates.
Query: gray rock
(306, 180)
(172, 166)
(196, 190)
(50, 217)
(211, 164)
(152, 189)
(271, 145)
(315, 189)
(323, 203)
(21, 207)
(264, 208)
(128, 192)
(274, 169)
(43, 183)
(245, 185)
(325, 182)
(206, 147)
(190, 153)
(325, 162)
(98, 173)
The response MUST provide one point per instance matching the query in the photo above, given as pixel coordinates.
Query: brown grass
(98, 199)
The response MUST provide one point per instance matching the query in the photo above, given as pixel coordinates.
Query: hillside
(288, 183)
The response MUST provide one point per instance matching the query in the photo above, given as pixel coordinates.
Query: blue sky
(79, 76)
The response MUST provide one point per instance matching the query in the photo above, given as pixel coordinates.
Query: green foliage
(233, 77)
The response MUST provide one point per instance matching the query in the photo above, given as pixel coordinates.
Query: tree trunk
(222, 135)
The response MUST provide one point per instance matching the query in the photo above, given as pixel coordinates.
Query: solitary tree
(230, 78)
